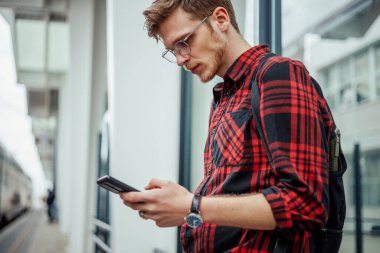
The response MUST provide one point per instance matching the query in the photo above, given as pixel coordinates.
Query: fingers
(160, 221)
(133, 197)
(134, 206)
(148, 216)
(144, 207)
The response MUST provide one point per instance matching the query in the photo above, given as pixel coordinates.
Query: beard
(215, 62)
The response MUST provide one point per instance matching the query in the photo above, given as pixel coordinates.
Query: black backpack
(329, 238)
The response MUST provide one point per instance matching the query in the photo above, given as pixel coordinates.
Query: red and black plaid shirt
(235, 162)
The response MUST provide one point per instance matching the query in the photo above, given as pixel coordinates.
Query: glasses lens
(168, 55)
(182, 48)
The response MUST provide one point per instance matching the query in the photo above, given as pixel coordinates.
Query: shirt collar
(243, 63)
(239, 69)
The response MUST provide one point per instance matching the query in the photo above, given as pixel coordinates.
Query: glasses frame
(184, 41)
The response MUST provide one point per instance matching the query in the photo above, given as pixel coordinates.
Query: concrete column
(74, 128)
(144, 92)
(98, 107)
(64, 142)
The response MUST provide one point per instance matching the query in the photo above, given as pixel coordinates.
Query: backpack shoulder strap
(282, 243)
(255, 101)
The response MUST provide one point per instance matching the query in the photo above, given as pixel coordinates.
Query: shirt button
(213, 131)
(226, 94)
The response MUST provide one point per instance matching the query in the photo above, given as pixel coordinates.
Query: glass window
(58, 49)
(31, 44)
(333, 76)
(103, 199)
(371, 176)
(7, 67)
(362, 74)
(345, 73)
(370, 164)
(347, 95)
(377, 57)
(362, 91)
(361, 65)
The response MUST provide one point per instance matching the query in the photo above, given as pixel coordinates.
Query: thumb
(154, 184)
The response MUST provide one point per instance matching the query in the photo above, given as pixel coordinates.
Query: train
(15, 188)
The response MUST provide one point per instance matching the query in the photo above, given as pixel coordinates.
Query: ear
(222, 19)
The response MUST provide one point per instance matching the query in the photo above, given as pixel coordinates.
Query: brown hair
(161, 9)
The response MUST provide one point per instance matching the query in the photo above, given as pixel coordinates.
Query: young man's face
(207, 47)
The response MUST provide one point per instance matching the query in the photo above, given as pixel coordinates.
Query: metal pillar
(270, 24)
(276, 27)
(185, 137)
(265, 22)
(358, 200)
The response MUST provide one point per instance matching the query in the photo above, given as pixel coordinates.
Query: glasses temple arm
(195, 28)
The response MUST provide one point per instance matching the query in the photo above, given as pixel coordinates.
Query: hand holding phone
(112, 184)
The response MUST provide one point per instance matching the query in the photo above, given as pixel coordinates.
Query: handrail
(102, 224)
(96, 239)
(101, 244)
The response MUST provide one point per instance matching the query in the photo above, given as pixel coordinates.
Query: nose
(181, 60)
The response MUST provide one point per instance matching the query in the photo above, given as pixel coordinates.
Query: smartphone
(112, 184)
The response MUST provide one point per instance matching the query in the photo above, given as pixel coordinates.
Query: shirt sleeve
(292, 126)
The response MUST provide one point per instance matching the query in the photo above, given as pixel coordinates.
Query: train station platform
(32, 233)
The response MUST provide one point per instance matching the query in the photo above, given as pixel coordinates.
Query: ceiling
(41, 47)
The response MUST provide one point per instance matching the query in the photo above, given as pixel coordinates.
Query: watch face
(194, 220)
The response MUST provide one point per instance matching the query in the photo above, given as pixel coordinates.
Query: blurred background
(84, 92)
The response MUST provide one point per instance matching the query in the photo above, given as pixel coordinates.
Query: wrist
(194, 218)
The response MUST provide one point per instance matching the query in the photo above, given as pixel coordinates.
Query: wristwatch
(193, 218)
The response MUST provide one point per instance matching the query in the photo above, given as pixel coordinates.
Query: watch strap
(195, 204)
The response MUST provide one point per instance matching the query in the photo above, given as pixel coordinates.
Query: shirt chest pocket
(228, 143)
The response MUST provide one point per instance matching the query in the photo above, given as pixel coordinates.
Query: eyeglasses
(181, 47)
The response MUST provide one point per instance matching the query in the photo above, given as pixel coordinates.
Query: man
(51, 205)
(242, 204)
